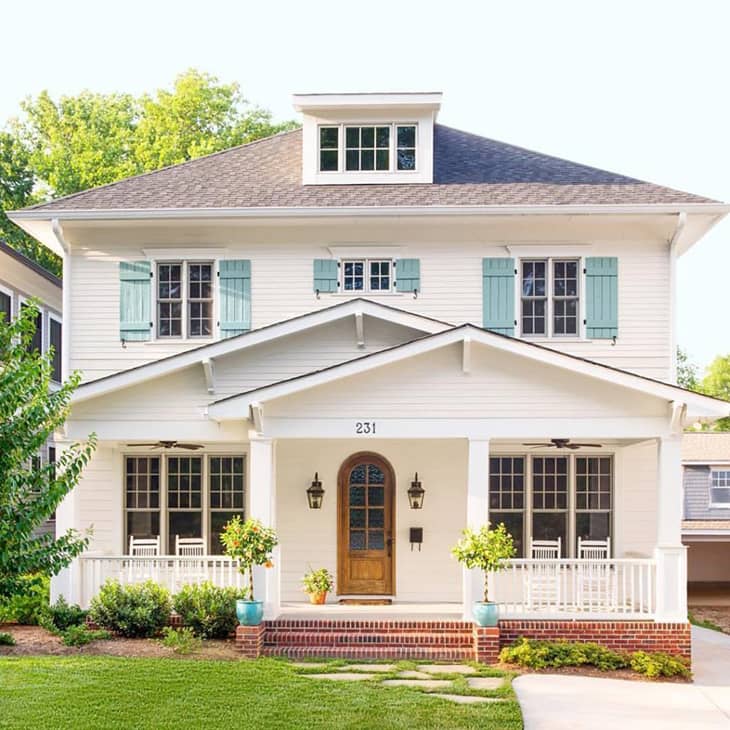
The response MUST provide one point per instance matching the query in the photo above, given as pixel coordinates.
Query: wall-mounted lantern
(416, 493)
(315, 493)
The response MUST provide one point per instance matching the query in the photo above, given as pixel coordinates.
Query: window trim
(713, 470)
(549, 333)
(185, 336)
(205, 522)
(392, 148)
(366, 261)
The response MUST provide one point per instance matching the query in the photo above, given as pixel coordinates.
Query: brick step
(427, 653)
(349, 638)
(369, 625)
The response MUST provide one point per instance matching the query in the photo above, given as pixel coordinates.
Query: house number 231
(364, 427)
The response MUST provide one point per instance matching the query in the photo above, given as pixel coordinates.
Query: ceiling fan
(171, 445)
(563, 444)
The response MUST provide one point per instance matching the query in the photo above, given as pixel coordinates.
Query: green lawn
(109, 692)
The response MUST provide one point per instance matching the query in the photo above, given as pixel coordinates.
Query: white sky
(639, 87)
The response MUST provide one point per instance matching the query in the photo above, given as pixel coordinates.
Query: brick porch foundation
(623, 636)
(250, 640)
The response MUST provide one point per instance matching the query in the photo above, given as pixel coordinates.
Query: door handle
(389, 544)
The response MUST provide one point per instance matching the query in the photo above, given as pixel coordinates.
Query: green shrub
(28, 605)
(80, 635)
(6, 639)
(181, 641)
(208, 610)
(658, 664)
(63, 615)
(553, 654)
(139, 610)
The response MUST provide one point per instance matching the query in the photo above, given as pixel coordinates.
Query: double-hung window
(550, 298)
(366, 275)
(720, 488)
(184, 299)
(367, 148)
(183, 496)
(550, 498)
(6, 306)
(593, 492)
(507, 496)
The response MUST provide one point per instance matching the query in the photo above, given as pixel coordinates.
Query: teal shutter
(408, 275)
(498, 290)
(602, 297)
(325, 275)
(235, 297)
(135, 300)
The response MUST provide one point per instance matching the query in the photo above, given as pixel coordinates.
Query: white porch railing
(600, 589)
(170, 571)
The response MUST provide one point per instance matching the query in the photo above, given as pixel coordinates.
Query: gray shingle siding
(697, 495)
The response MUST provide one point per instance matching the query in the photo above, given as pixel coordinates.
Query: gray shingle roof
(468, 170)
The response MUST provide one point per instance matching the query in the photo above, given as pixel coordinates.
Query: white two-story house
(379, 304)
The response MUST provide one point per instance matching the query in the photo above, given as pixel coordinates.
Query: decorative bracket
(209, 373)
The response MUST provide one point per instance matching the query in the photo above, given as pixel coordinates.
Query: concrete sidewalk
(559, 702)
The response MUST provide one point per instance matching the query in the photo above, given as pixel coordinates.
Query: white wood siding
(451, 279)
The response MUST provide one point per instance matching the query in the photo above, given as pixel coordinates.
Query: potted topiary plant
(317, 584)
(486, 550)
(250, 543)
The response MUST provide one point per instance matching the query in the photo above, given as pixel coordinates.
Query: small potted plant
(317, 584)
(486, 550)
(250, 543)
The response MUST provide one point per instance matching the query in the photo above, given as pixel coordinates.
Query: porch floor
(398, 611)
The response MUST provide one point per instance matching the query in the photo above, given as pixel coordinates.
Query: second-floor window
(6, 306)
(366, 275)
(184, 299)
(720, 488)
(550, 298)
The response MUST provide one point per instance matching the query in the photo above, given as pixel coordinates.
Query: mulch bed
(626, 674)
(35, 641)
(719, 615)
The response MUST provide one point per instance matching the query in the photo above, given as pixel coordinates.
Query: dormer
(351, 139)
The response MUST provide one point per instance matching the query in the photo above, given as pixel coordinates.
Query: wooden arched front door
(365, 526)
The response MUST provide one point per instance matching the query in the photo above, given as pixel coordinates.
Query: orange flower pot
(317, 598)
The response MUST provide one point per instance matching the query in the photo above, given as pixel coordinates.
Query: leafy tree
(16, 191)
(687, 371)
(29, 493)
(717, 383)
(199, 116)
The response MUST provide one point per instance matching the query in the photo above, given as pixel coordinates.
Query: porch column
(262, 506)
(67, 582)
(477, 513)
(670, 554)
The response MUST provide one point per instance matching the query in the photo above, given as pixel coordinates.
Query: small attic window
(367, 148)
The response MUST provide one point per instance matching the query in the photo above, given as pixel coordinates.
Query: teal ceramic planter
(486, 614)
(249, 613)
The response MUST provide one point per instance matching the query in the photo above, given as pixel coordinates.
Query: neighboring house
(706, 525)
(20, 280)
(370, 298)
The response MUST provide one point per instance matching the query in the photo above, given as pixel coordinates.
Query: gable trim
(212, 350)
(232, 406)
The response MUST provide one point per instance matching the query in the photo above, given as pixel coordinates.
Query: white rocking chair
(143, 564)
(597, 589)
(542, 580)
(189, 567)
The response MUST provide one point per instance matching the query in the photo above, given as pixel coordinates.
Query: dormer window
(367, 148)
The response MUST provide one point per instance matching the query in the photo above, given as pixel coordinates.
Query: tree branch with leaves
(31, 410)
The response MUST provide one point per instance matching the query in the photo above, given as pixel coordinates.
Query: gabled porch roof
(205, 354)
(687, 405)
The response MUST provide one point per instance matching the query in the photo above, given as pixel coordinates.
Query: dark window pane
(218, 521)
(352, 160)
(376, 540)
(367, 160)
(357, 518)
(328, 137)
(382, 161)
(367, 137)
(406, 136)
(357, 540)
(376, 517)
(143, 525)
(383, 137)
(375, 475)
(376, 496)
(406, 159)
(55, 342)
(592, 525)
(352, 137)
(549, 526)
(357, 496)
(6, 303)
(357, 475)
(185, 524)
(328, 160)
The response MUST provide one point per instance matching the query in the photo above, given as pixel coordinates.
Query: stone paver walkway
(427, 677)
